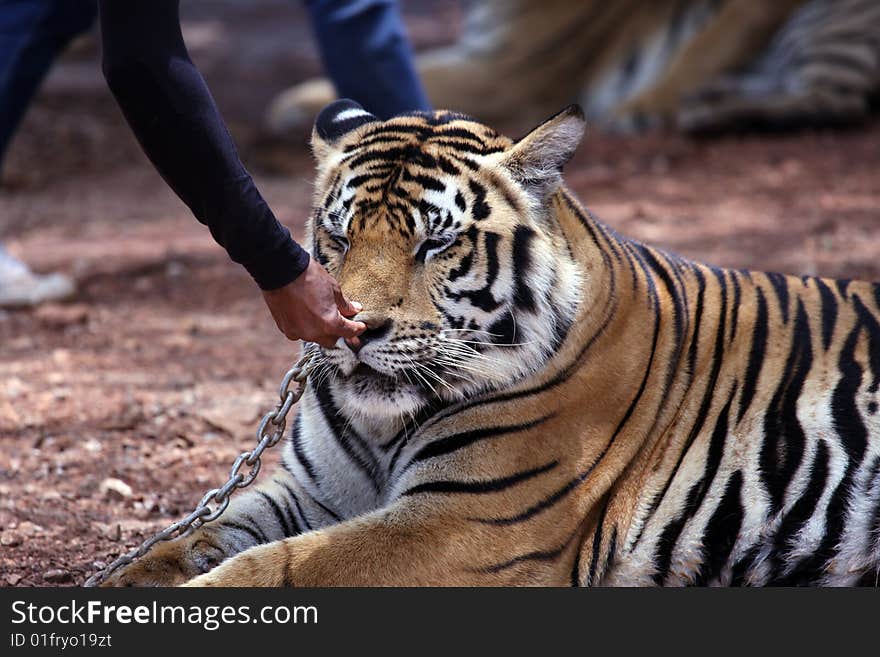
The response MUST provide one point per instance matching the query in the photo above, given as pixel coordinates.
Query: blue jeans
(32, 34)
(367, 55)
(363, 45)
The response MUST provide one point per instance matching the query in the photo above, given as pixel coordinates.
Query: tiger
(697, 66)
(540, 401)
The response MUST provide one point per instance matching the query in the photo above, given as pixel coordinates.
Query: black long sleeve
(170, 109)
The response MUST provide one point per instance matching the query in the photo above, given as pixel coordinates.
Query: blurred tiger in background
(540, 401)
(697, 65)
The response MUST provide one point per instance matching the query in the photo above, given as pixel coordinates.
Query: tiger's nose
(378, 326)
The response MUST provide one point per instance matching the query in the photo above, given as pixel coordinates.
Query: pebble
(10, 541)
(57, 576)
(13, 579)
(59, 316)
(115, 489)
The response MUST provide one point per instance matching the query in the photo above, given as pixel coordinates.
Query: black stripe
(390, 156)
(413, 424)
(678, 314)
(780, 286)
(480, 486)
(742, 568)
(279, 514)
(612, 549)
(465, 147)
(254, 532)
(457, 441)
(480, 209)
(360, 179)
(698, 322)
(448, 167)
(330, 512)
(427, 182)
(800, 513)
(722, 530)
(696, 495)
(393, 130)
(466, 161)
(575, 577)
(299, 450)
(522, 265)
(756, 355)
(597, 543)
(737, 299)
(461, 133)
(870, 325)
(297, 528)
(536, 555)
(784, 439)
(464, 266)
(653, 295)
(342, 434)
(872, 484)
(299, 509)
(504, 331)
(828, 309)
(589, 226)
(483, 297)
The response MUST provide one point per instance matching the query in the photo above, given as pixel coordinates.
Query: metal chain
(269, 433)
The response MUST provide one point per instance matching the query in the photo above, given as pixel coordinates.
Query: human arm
(173, 115)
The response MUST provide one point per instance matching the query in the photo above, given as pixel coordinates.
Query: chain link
(269, 433)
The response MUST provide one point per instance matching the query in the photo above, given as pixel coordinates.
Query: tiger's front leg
(397, 546)
(405, 544)
(273, 511)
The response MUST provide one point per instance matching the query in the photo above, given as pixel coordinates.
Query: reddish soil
(157, 373)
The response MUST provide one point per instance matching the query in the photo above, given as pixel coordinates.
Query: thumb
(346, 308)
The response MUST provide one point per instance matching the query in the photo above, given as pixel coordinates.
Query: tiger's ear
(536, 160)
(335, 121)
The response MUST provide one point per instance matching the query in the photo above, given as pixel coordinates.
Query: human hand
(313, 308)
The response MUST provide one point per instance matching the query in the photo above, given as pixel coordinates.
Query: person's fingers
(346, 308)
(345, 328)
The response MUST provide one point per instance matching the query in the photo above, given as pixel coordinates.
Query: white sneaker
(20, 287)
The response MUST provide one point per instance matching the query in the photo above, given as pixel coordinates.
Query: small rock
(57, 576)
(13, 579)
(58, 316)
(10, 541)
(115, 489)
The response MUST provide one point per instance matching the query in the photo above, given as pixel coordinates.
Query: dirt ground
(157, 373)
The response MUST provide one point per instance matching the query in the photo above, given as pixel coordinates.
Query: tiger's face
(439, 227)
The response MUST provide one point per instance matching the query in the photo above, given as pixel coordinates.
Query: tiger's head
(442, 229)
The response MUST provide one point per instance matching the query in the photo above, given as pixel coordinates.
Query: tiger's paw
(263, 566)
(168, 564)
